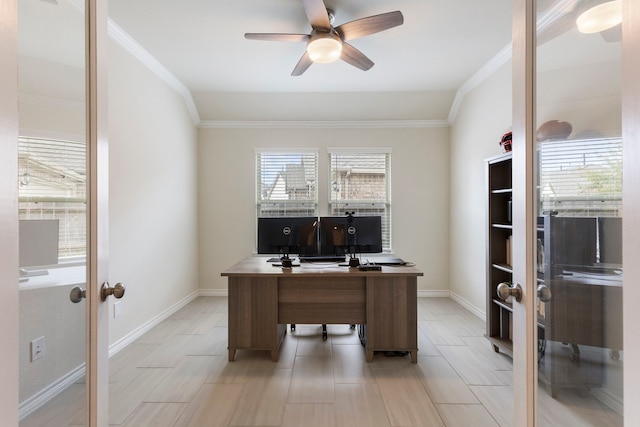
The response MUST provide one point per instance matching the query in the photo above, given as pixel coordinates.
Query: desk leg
(369, 355)
(275, 355)
(232, 354)
(414, 356)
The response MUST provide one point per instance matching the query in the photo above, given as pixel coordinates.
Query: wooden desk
(585, 311)
(263, 299)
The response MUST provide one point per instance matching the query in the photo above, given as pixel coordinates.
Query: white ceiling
(441, 44)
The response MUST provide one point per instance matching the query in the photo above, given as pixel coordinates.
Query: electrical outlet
(37, 349)
(117, 309)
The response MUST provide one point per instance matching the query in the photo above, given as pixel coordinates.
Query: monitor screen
(610, 240)
(38, 242)
(572, 241)
(358, 234)
(288, 235)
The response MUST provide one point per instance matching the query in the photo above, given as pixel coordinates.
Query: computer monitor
(287, 235)
(572, 243)
(38, 242)
(38, 246)
(350, 235)
(610, 240)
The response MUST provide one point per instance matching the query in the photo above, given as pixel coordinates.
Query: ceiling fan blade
(370, 25)
(317, 14)
(353, 56)
(613, 34)
(278, 37)
(302, 65)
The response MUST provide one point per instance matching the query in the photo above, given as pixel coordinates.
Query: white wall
(153, 193)
(48, 312)
(420, 192)
(569, 94)
(485, 115)
(153, 213)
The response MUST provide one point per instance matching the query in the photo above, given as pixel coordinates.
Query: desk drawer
(322, 300)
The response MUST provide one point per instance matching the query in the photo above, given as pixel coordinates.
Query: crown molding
(579, 104)
(478, 77)
(321, 124)
(501, 58)
(40, 100)
(121, 37)
(135, 49)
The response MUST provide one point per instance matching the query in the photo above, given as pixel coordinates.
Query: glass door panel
(52, 171)
(579, 210)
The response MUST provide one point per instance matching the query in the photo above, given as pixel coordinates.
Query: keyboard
(278, 259)
(322, 258)
(386, 261)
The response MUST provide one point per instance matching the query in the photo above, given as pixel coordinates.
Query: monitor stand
(354, 262)
(286, 261)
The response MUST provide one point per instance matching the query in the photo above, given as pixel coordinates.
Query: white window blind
(581, 177)
(360, 182)
(52, 185)
(286, 183)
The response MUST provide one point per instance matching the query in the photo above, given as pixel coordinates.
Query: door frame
(525, 371)
(9, 361)
(96, 72)
(96, 12)
(631, 204)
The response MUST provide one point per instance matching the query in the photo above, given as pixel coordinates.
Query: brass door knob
(117, 291)
(77, 294)
(506, 290)
(544, 293)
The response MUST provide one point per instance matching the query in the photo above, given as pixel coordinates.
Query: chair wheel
(324, 336)
(293, 327)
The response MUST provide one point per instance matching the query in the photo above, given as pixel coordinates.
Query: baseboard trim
(224, 293)
(470, 307)
(608, 399)
(33, 403)
(433, 294)
(45, 395)
(213, 293)
(52, 390)
(146, 327)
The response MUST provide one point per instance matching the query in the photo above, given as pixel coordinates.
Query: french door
(98, 216)
(576, 123)
(88, 73)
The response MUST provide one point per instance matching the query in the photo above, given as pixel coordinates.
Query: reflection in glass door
(52, 163)
(579, 211)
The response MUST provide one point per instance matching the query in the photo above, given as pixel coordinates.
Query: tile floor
(177, 375)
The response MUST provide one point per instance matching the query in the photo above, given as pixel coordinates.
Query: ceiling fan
(587, 16)
(327, 43)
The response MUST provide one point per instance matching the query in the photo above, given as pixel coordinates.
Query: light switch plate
(37, 349)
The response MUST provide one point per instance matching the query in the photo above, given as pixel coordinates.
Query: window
(581, 177)
(286, 183)
(52, 185)
(360, 182)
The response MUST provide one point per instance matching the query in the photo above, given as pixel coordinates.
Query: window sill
(58, 276)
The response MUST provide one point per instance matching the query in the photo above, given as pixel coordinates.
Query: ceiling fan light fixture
(600, 18)
(324, 48)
